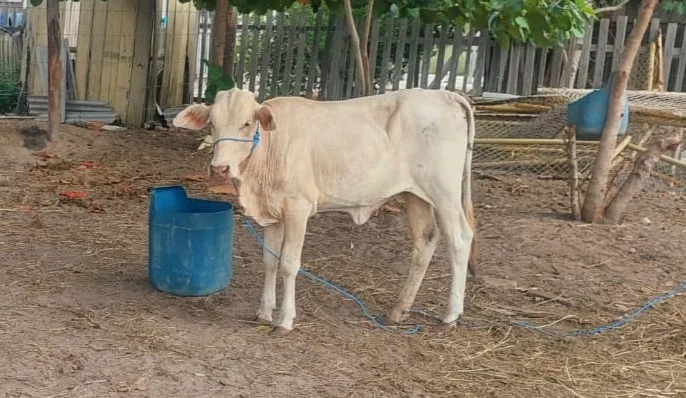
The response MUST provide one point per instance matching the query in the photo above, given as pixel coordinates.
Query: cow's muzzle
(221, 173)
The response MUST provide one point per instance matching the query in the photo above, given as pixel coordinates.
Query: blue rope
(486, 325)
(255, 140)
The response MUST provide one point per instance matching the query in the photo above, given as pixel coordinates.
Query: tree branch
(615, 7)
(355, 44)
(368, 87)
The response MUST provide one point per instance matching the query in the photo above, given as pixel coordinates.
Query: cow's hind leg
(273, 239)
(425, 238)
(459, 235)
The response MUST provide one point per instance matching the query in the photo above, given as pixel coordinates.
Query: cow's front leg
(273, 240)
(295, 226)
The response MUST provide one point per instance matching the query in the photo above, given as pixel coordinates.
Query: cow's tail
(467, 204)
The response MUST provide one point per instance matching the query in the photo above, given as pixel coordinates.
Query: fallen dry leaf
(94, 125)
(44, 154)
(195, 177)
(77, 195)
(95, 208)
(88, 165)
(227, 189)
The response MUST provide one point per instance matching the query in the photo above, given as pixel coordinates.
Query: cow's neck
(260, 175)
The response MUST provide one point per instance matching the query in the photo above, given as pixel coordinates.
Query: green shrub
(10, 88)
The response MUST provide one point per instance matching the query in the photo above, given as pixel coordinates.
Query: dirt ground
(78, 317)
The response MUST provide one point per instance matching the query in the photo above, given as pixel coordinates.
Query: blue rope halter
(255, 140)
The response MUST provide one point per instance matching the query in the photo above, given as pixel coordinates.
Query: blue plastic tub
(190, 243)
(589, 112)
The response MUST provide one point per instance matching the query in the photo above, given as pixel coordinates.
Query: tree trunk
(54, 69)
(355, 47)
(230, 42)
(642, 169)
(221, 17)
(368, 88)
(593, 208)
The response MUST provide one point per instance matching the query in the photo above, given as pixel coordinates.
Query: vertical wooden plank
(386, 57)
(601, 53)
(399, 54)
(426, 55)
(412, 62)
(513, 69)
(266, 51)
(350, 74)
(204, 30)
(314, 54)
(145, 12)
(120, 99)
(337, 48)
(582, 73)
(183, 13)
(374, 50)
(154, 68)
(468, 61)
(482, 52)
(288, 66)
(654, 28)
(342, 68)
(670, 39)
(192, 45)
(83, 47)
(504, 55)
(300, 58)
(55, 114)
(280, 22)
(240, 70)
(95, 65)
(326, 61)
(110, 61)
(540, 82)
(620, 36)
(442, 42)
(255, 54)
(456, 52)
(556, 67)
(682, 65)
(527, 86)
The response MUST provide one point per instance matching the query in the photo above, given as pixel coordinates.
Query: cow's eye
(247, 124)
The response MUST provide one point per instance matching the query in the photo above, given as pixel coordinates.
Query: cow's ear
(195, 117)
(264, 115)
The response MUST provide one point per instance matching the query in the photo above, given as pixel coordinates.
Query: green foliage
(10, 88)
(216, 81)
(677, 6)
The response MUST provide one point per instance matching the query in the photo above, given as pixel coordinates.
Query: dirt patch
(79, 318)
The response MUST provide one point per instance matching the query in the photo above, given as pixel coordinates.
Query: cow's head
(234, 115)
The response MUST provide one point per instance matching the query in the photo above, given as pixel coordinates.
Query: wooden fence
(296, 53)
(10, 50)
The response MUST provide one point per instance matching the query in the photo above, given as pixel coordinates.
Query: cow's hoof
(279, 331)
(261, 321)
(447, 326)
(395, 317)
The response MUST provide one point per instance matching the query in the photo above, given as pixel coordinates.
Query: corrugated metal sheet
(76, 111)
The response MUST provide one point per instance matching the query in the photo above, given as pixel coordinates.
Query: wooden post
(54, 69)
(570, 141)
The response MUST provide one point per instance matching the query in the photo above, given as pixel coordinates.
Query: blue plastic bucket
(190, 243)
(589, 113)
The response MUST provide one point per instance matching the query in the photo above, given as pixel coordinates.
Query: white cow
(351, 156)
